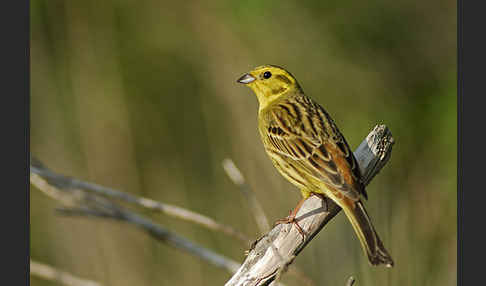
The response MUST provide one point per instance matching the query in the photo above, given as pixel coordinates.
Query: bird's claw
(292, 220)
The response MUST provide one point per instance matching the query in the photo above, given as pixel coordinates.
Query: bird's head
(269, 83)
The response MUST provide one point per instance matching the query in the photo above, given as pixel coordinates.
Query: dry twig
(350, 281)
(171, 210)
(52, 274)
(80, 202)
(256, 209)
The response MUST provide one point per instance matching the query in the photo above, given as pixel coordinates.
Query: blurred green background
(141, 96)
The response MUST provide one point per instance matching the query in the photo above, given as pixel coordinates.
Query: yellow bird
(307, 148)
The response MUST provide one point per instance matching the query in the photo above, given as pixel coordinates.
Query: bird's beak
(246, 78)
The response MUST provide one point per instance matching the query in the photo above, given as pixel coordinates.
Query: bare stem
(50, 273)
(350, 281)
(256, 209)
(89, 204)
(171, 210)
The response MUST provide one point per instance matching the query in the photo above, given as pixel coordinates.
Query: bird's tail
(370, 241)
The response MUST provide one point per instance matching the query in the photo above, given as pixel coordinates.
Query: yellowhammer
(307, 148)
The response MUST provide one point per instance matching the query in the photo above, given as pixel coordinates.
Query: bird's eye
(267, 75)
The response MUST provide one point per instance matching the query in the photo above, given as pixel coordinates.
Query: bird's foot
(291, 219)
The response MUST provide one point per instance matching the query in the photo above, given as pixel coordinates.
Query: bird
(307, 148)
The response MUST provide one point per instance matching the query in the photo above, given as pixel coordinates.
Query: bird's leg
(291, 218)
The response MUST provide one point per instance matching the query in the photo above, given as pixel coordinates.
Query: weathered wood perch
(275, 251)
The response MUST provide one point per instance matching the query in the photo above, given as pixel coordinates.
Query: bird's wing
(304, 135)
